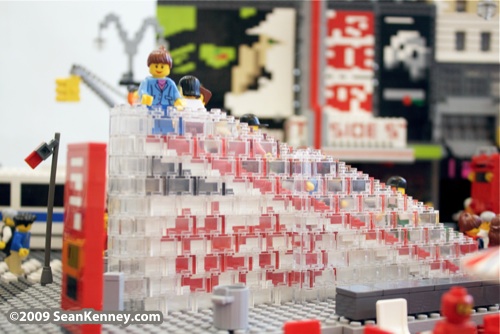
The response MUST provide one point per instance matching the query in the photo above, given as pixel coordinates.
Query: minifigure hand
(23, 252)
(147, 99)
(179, 104)
(2, 244)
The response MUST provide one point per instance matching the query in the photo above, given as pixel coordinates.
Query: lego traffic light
(68, 89)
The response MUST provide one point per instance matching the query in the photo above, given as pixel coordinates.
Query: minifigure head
(24, 221)
(456, 305)
(8, 216)
(397, 183)
(494, 234)
(252, 121)
(469, 223)
(190, 87)
(159, 63)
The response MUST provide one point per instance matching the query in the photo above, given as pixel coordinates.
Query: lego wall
(44, 40)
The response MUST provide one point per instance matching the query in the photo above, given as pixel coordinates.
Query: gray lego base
(263, 318)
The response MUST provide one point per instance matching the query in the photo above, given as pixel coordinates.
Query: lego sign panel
(350, 41)
(244, 56)
(346, 130)
(406, 43)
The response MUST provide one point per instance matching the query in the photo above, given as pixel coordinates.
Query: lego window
(37, 195)
(71, 287)
(461, 5)
(485, 41)
(73, 256)
(460, 40)
(5, 194)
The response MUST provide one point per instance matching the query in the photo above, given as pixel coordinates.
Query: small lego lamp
(19, 248)
(158, 90)
(42, 152)
(456, 308)
(312, 326)
(397, 183)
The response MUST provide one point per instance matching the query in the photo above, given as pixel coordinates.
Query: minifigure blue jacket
(20, 240)
(165, 97)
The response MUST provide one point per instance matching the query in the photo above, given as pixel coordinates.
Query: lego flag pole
(34, 159)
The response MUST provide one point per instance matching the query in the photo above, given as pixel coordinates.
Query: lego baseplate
(264, 318)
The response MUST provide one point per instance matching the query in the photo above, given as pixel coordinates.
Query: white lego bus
(26, 190)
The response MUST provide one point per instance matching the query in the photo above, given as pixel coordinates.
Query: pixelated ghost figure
(408, 47)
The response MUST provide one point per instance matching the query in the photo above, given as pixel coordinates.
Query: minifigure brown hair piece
(494, 234)
(160, 56)
(468, 221)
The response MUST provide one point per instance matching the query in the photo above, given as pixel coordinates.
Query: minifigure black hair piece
(252, 120)
(190, 86)
(24, 218)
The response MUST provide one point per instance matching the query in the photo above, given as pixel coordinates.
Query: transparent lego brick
(195, 126)
(184, 265)
(348, 203)
(307, 260)
(429, 217)
(179, 226)
(265, 260)
(436, 234)
(308, 223)
(393, 236)
(179, 145)
(323, 203)
(405, 219)
(263, 185)
(302, 242)
(196, 245)
(169, 246)
(264, 224)
(237, 262)
(128, 165)
(179, 185)
(385, 254)
(335, 222)
(278, 277)
(406, 253)
(360, 185)
(276, 242)
(371, 237)
(126, 246)
(324, 168)
(134, 287)
(155, 266)
(142, 186)
(278, 167)
(394, 202)
(127, 145)
(155, 146)
(208, 225)
(396, 272)
(192, 205)
(128, 121)
(360, 220)
(345, 275)
(323, 241)
(237, 147)
(223, 166)
(251, 167)
(247, 205)
(348, 239)
(259, 296)
(221, 205)
(209, 146)
(178, 302)
(128, 205)
(156, 304)
(211, 263)
(236, 224)
(382, 220)
(447, 250)
(222, 244)
(161, 167)
(467, 246)
(269, 146)
(285, 260)
(130, 266)
(416, 235)
(360, 257)
(372, 203)
(425, 252)
(122, 225)
(162, 205)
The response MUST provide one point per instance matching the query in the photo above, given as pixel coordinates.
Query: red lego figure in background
(456, 308)
(485, 181)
